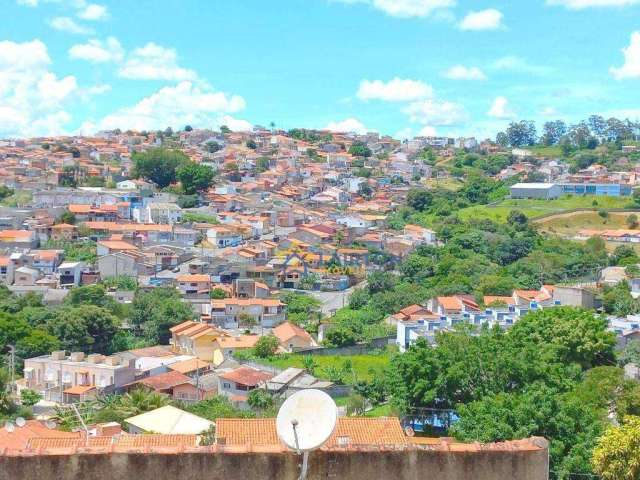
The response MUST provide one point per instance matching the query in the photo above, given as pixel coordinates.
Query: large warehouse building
(536, 190)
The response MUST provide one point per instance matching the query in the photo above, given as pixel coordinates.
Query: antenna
(9, 427)
(21, 422)
(305, 422)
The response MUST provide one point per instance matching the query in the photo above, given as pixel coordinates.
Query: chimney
(77, 356)
(58, 355)
(113, 360)
(95, 358)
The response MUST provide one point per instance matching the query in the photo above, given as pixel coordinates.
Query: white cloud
(154, 62)
(427, 132)
(518, 64)
(490, 19)
(69, 25)
(32, 99)
(631, 66)
(581, 4)
(405, 8)
(93, 12)
(28, 3)
(460, 72)
(549, 112)
(348, 125)
(97, 51)
(176, 106)
(501, 109)
(395, 90)
(436, 112)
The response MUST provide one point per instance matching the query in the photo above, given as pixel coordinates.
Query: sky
(398, 67)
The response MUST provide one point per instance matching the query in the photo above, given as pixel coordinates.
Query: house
(105, 247)
(26, 276)
(194, 284)
(452, 305)
(236, 384)
(158, 212)
(292, 337)
(168, 420)
(70, 273)
(64, 232)
(230, 312)
(193, 338)
(18, 238)
(544, 191)
(50, 375)
(162, 383)
(420, 234)
(33, 430)
(200, 387)
(222, 236)
(225, 347)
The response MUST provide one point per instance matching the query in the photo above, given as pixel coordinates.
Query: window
(226, 385)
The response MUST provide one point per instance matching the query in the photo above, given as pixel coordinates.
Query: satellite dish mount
(305, 422)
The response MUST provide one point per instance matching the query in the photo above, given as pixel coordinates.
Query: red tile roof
(246, 376)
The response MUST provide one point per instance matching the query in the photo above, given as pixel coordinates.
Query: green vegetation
(121, 282)
(196, 217)
(194, 177)
(154, 312)
(158, 165)
(84, 251)
(303, 310)
(341, 368)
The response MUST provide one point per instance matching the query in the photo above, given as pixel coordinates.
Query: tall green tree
(158, 165)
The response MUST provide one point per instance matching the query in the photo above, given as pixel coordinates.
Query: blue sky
(401, 67)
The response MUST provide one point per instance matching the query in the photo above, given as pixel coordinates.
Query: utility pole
(12, 363)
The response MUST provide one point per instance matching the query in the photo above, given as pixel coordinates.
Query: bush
(266, 346)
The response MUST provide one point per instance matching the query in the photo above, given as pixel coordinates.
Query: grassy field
(570, 225)
(446, 183)
(365, 367)
(537, 208)
(552, 151)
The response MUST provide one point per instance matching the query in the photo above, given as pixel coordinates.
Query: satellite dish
(50, 424)
(20, 422)
(306, 420)
(9, 427)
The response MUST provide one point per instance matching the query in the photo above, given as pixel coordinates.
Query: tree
(29, 397)
(85, 328)
(380, 281)
(212, 146)
(260, 399)
(217, 293)
(266, 346)
(502, 139)
(359, 149)
(67, 217)
(262, 164)
(630, 353)
(419, 199)
(553, 132)
(155, 311)
(521, 133)
(364, 190)
(339, 337)
(158, 165)
(188, 128)
(518, 219)
(252, 144)
(194, 177)
(224, 129)
(617, 454)
(632, 221)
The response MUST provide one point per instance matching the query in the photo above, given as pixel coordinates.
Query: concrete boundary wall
(453, 462)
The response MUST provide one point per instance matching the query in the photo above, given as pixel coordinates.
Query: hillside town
(166, 285)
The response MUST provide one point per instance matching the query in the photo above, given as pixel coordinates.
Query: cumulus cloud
(517, 64)
(501, 109)
(460, 72)
(395, 90)
(581, 4)
(176, 106)
(154, 62)
(434, 112)
(490, 19)
(32, 98)
(69, 25)
(631, 66)
(97, 51)
(348, 125)
(405, 8)
(93, 12)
